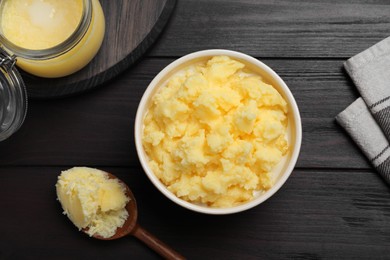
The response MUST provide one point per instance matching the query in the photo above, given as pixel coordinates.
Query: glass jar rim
(56, 50)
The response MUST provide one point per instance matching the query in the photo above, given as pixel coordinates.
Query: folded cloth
(367, 120)
(362, 127)
(370, 71)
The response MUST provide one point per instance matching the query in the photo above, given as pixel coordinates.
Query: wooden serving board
(131, 28)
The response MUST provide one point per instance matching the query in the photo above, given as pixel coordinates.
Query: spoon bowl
(131, 227)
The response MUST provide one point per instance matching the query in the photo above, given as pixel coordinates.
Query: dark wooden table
(333, 206)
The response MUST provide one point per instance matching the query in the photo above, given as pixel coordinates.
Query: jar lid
(13, 96)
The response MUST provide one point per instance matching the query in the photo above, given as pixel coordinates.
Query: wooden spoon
(131, 227)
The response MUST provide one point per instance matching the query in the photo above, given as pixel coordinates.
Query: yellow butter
(92, 200)
(40, 24)
(214, 132)
(52, 38)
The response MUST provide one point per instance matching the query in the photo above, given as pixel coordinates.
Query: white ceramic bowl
(294, 135)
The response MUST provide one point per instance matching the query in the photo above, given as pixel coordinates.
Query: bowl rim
(143, 106)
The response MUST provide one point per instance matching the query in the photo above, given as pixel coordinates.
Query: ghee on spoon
(131, 227)
(85, 193)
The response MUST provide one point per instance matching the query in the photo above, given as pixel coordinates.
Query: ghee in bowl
(51, 38)
(218, 132)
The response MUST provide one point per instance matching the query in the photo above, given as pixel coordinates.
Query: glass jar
(66, 57)
(57, 60)
(13, 97)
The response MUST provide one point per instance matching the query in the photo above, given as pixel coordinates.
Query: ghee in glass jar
(51, 38)
(46, 38)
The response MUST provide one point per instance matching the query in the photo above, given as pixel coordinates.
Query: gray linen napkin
(367, 119)
(362, 127)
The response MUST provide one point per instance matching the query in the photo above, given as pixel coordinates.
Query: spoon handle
(154, 243)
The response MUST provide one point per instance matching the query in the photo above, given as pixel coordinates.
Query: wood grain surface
(318, 214)
(132, 26)
(277, 28)
(334, 205)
